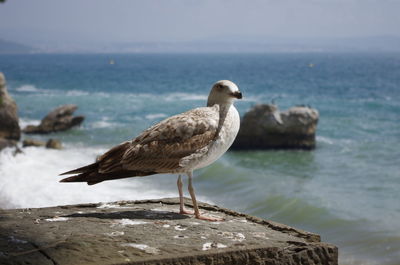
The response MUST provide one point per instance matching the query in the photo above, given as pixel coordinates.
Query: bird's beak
(237, 94)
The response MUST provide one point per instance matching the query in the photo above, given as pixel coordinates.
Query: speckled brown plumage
(158, 149)
(179, 144)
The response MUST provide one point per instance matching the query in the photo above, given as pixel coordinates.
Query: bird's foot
(184, 211)
(209, 218)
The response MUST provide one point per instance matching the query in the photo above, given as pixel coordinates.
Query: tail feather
(76, 178)
(84, 169)
(92, 176)
(110, 160)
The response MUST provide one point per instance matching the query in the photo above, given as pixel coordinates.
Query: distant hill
(227, 44)
(246, 45)
(13, 47)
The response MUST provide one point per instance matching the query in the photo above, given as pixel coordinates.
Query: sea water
(347, 189)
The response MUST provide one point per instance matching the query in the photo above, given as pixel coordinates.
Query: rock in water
(9, 126)
(53, 144)
(265, 127)
(32, 142)
(4, 143)
(60, 119)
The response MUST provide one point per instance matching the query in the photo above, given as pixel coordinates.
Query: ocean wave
(184, 96)
(155, 116)
(77, 93)
(325, 140)
(171, 97)
(361, 241)
(28, 88)
(23, 122)
(251, 98)
(103, 123)
(31, 179)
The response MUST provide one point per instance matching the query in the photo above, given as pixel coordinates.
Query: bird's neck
(223, 112)
(224, 108)
(221, 101)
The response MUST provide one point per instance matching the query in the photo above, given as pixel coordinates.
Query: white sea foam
(23, 122)
(184, 96)
(33, 89)
(77, 93)
(103, 123)
(28, 88)
(324, 140)
(31, 179)
(252, 98)
(155, 116)
(104, 94)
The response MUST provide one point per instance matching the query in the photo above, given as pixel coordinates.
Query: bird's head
(223, 92)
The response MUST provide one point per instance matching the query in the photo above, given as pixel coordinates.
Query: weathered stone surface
(53, 144)
(265, 127)
(59, 119)
(9, 122)
(152, 232)
(32, 142)
(4, 143)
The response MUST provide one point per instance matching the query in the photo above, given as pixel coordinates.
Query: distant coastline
(10, 47)
(375, 44)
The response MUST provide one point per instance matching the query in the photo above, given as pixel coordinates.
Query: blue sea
(347, 189)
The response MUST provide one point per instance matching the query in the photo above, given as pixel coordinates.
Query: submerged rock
(32, 142)
(53, 144)
(9, 125)
(4, 143)
(265, 127)
(152, 232)
(59, 119)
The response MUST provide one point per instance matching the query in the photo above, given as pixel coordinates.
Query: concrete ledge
(152, 232)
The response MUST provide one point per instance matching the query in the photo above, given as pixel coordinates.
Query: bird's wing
(161, 147)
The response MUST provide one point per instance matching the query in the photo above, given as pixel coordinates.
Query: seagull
(178, 145)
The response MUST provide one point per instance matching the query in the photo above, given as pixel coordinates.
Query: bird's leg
(182, 209)
(195, 206)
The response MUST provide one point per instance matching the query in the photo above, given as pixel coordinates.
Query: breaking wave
(31, 179)
(28, 88)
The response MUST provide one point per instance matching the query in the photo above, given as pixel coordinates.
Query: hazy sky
(105, 21)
